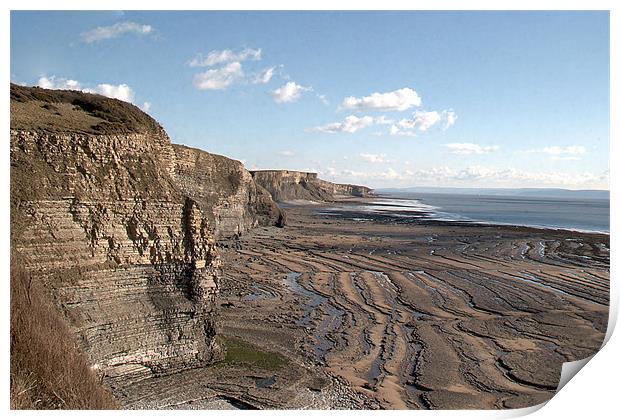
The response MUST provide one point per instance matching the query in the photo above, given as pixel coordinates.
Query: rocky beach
(373, 312)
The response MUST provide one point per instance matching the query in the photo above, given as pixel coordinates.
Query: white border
(592, 393)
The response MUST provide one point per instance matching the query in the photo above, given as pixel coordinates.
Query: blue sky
(385, 99)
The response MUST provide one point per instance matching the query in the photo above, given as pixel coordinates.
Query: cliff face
(237, 204)
(128, 259)
(118, 227)
(346, 190)
(293, 185)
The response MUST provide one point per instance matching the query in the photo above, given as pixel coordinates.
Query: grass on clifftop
(48, 370)
(61, 111)
(239, 352)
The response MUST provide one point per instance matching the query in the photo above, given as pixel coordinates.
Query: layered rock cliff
(293, 185)
(119, 227)
(237, 204)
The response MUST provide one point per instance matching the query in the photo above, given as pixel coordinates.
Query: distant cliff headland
(294, 185)
(113, 237)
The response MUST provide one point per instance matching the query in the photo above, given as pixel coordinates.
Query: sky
(383, 99)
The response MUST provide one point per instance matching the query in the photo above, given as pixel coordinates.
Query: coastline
(377, 314)
(429, 217)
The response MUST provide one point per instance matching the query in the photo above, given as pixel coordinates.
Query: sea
(579, 214)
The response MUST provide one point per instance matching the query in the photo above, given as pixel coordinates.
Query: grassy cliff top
(70, 111)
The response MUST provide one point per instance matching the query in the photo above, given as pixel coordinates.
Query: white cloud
(570, 153)
(287, 153)
(425, 120)
(265, 76)
(18, 82)
(372, 158)
(352, 174)
(224, 56)
(122, 91)
(353, 123)
(395, 130)
(54, 82)
(114, 31)
(510, 177)
(557, 150)
(390, 174)
(565, 158)
(220, 78)
(323, 99)
(229, 70)
(450, 118)
(470, 148)
(473, 176)
(398, 100)
(420, 121)
(383, 120)
(350, 125)
(289, 92)
(146, 107)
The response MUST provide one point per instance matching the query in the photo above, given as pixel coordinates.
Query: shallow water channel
(326, 317)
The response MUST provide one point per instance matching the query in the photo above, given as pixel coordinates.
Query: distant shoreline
(427, 218)
(548, 193)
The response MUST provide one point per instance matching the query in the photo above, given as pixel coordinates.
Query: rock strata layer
(223, 185)
(293, 186)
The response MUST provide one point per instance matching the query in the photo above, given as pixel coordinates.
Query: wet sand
(383, 312)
